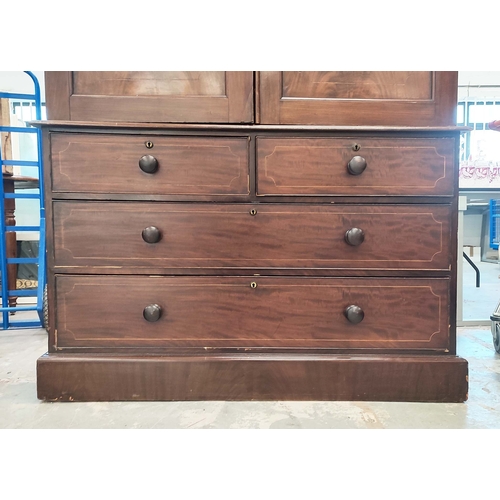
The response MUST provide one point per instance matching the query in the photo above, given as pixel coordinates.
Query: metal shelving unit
(8, 312)
(494, 224)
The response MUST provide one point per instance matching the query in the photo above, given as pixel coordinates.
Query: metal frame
(494, 224)
(466, 104)
(6, 311)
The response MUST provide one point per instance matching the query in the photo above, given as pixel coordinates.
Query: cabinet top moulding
(239, 128)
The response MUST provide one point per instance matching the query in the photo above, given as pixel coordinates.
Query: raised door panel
(147, 83)
(205, 312)
(358, 85)
(384, 98)
(151, 96)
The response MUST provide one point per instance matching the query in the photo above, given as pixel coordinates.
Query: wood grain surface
(186, 165)
(414, 85)
(151, 96)
(247, 377)
(100, 311)
(395, 166)
(425, 98)
(141, 83)
(109, 234)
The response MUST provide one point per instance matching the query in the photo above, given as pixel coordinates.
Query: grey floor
(20, 409)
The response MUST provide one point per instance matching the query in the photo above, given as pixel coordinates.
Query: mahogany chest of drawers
(229, 238)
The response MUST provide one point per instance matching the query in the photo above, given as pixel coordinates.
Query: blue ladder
(5, 309)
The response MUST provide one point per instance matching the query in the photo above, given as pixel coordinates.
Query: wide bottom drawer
(260, 312)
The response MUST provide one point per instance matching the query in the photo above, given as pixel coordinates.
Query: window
(25, 110)
(480, 147)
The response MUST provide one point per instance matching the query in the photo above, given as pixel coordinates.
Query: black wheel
(45, 309)
(496, 337)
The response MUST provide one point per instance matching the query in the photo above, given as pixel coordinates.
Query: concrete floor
(20, 409)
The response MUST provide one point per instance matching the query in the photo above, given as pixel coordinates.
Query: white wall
(479, 78)
(472, 229)
(20, 82)
(471, 84)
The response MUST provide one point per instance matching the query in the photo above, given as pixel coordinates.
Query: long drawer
(203, 312)
(355, 166)
(251, 235)
(138, 164)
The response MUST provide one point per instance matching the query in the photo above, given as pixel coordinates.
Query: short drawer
(355, 166)
(174, 235)
(204, 312)
(138, 164)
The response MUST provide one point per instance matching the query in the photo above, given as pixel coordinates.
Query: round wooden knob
(354, 236)
(151, 234)
(357, 165)
(148, 164)
(354, 314)
(152, 313)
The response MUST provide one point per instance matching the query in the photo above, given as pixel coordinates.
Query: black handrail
(478, 275)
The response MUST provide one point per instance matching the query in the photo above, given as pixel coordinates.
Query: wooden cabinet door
(150, 96)
(398, 98)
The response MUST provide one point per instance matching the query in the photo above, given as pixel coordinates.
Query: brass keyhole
(149, 144)
(356, 147)
(253, 211)
(253, 284)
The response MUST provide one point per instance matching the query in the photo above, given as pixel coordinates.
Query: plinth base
(266, 377)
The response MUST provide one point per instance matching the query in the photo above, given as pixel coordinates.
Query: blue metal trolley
(8, 320)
